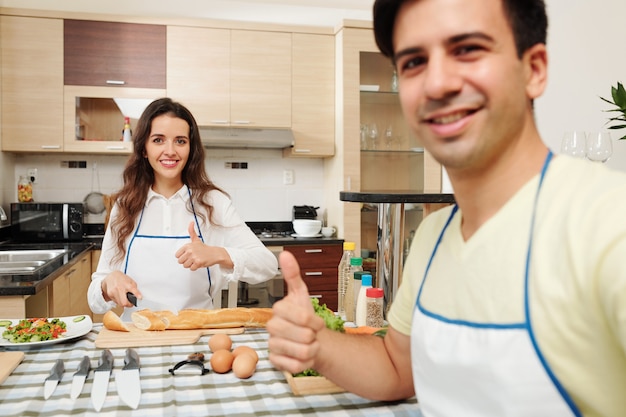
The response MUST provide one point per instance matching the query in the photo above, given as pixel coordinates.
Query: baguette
(113, 322)
(206, 319)
(149, 320)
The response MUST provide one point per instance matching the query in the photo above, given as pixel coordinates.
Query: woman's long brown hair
(139, 176)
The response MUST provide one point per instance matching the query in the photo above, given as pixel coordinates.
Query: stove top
(271, 230)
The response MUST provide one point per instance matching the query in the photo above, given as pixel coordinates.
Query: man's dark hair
(528, 20)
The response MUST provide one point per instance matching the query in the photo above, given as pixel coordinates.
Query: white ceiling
(299, 12)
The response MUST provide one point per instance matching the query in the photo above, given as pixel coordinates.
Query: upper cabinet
(240, 78)
(32, 84)
(313, 95)
(114, 54)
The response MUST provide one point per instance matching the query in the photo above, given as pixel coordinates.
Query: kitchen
(328, 202)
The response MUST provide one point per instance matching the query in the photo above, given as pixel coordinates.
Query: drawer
(320, 279)
(316, 256)
(329, 298)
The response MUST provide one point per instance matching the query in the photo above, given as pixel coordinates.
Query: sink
(35, 263)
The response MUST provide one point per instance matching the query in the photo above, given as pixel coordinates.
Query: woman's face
(167, 148)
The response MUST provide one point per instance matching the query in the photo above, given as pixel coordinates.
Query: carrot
(361, 330)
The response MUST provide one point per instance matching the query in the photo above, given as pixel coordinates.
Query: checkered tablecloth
(266, 393)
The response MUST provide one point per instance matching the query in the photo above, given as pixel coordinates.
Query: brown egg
(220, 341)
(244, 366)
(246, 350)
(221, 361)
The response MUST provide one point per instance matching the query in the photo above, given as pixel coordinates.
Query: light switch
(288, 177)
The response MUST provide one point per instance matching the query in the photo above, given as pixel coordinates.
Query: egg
(221, 361)
(220, 341)
(245, 350)
(244, 366)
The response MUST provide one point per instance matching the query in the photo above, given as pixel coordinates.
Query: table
(266, 393)
(390, 240)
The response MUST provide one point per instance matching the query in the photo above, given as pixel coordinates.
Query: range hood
(239, 137)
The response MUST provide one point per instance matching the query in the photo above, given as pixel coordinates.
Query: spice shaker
(374, 309)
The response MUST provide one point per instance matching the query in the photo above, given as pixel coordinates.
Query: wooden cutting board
(8, 363)
(138, 338)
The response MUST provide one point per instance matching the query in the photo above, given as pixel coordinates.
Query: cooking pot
(304, 212)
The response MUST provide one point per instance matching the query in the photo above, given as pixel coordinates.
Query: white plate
(74, 331)
(304, 237)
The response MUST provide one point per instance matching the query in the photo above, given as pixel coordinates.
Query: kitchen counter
(24, 284)
(266, 393)
(390, 225)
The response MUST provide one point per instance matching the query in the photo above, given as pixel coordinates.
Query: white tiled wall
(257, 192)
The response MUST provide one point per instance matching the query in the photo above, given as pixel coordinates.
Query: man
(513, 302)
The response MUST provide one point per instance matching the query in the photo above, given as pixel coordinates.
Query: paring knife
(56, 373)
(101, 379)
(127, 380)
(147, 304)
(79, 377)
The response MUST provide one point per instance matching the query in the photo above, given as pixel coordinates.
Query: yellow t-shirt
(577, 281)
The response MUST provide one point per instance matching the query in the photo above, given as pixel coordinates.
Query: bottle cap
(359, 274)
(356, 261)
(374, 292)
(366, 280)
(349, 245)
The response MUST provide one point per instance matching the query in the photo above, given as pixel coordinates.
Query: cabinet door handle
(219, 122)
(316, 296)
(50, 147)
(313, 274)
(296, 150)
(242, 122)
(313, 251)
(115, 148)
(116, 82)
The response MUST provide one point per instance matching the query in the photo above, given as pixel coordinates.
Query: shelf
(393, 151)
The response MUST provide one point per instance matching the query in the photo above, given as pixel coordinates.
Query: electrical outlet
(32, 174)
(288, 177)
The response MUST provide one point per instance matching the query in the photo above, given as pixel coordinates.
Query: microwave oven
(46, 221)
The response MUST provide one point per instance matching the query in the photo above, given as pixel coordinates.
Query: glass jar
(24, 190)
(374, 309)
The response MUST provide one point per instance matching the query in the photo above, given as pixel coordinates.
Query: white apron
(151, 262)
(471, 369)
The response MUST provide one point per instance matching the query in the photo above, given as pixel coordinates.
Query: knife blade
(101, 379)
(78, 380)
(147, 304)
(56, 374)
(127, 380)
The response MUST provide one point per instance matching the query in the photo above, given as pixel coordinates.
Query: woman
(174, 237)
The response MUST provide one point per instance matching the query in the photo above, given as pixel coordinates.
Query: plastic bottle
(127, 135)
(374, 307)
(356, 265)
(361, 302)
(343, 276)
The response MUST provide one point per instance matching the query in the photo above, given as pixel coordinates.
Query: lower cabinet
(319, 269)
(67, 296)
(95, 257)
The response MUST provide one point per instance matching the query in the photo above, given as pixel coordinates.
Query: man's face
(462, 86)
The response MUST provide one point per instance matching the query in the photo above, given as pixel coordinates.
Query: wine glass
(373, 135)
(388, 137)
(574, 144)
(599, 146)
(364, 134)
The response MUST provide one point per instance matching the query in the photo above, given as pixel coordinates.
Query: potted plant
(619, 101)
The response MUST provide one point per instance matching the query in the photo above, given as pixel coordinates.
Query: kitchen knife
(79, 377)
(56, 373)
(147, 304)
(127, 380)
(101, 379)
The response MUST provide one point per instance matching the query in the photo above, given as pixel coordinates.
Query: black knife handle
(132, 298)
(131, 359)
(106, 361)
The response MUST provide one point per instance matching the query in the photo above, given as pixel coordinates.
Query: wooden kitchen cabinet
(231, 77)
(319, 268)
(68, 292)
(313, 96)
(32, 84)
(114, 54)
